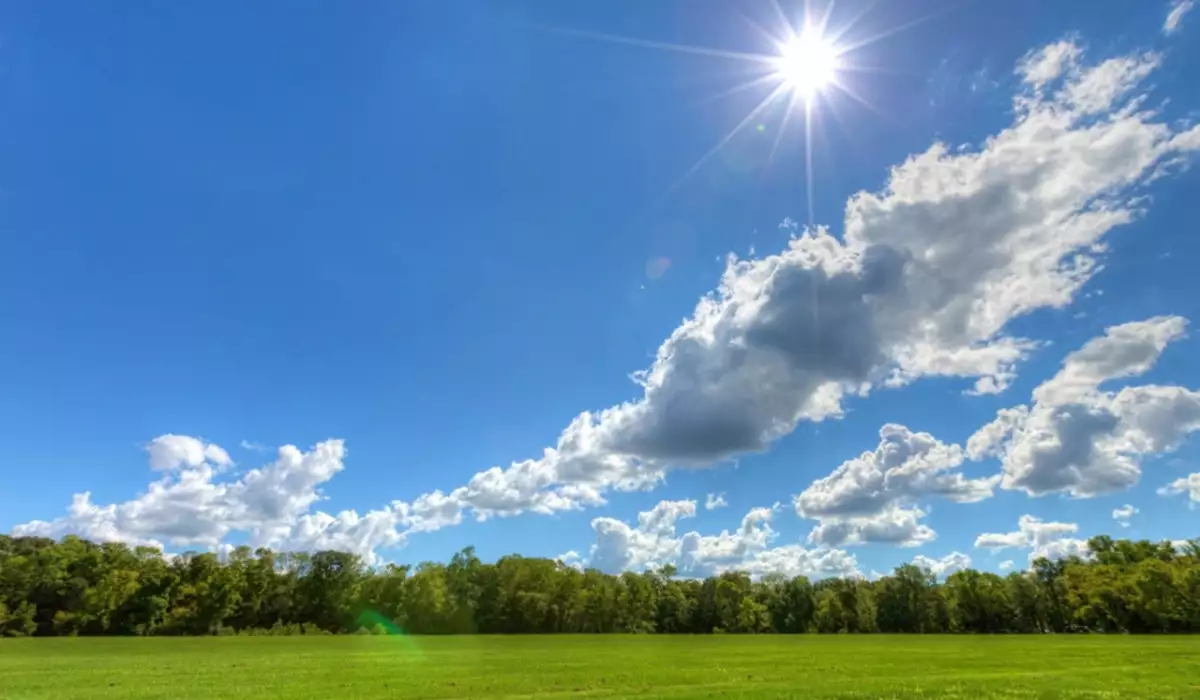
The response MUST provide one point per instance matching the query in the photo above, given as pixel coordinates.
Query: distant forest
(76, 587)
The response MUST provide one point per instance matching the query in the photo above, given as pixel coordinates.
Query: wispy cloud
(1124, 514)
(1179, 8)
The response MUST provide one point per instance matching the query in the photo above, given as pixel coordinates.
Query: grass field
(366, 668)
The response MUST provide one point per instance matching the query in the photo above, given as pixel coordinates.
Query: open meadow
(803, 666)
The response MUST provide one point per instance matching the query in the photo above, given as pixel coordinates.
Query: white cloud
(1045, 539)
(1188, 485)
(793, 560)
(191, 506)
(1061, 549)
(1185, 546)
(654, 542)
(873, 497)
(987, 441)
(650, 544)
(714, 501)
(168, 452)
(347, 531)
(998, 541)
(430, 512)
(97, 523)
(1095, 90)
(1179, 8)
(1049, 63)
(1007, 564)
(1031, 532)
(896, 526)
(952, 562)
(1124, 514)
(1188, 140)
(1082, 440)
(1127, 350)
(572, 559)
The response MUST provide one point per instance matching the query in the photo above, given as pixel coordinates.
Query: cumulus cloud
(169, 452)
(901, 527)
(714, 501)
(1188, 486)
(1082, 440)
(650, 544)
(952, 562)
(572, 559)
(654, 542)
(1051, 540)
(1179, 8)
(873, 497)
(1007, 564)
(192, 506)
(1127, 350)
(987, 440)
(1124, 515)
(346, 531)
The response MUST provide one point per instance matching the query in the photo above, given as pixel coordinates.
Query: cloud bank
(654, 542)
(1051, 540)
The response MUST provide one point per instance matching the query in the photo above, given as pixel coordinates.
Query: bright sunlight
(807, 63)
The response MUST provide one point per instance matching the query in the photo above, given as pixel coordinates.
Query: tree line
(77, 587)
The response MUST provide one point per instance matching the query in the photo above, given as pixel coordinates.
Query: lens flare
(379, 624)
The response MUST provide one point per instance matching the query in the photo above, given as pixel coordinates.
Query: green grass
(366, 668)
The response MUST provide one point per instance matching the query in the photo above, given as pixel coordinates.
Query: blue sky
(419, 240)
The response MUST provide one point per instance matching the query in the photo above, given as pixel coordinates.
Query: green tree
(979, 602)
(905, 601)
(76, 587)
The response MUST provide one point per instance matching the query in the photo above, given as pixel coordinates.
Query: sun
(807, 63)
(806, 72)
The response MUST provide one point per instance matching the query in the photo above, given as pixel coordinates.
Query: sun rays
(802, 69)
